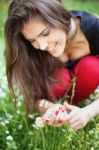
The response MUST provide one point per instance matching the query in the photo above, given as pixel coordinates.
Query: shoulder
(89, 24)
(83, 14)
(86, 19)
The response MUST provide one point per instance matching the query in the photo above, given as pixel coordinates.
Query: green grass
(17, 133)
(90, 6)
(3, 14)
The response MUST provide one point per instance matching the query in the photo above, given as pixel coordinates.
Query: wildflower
(20, 127)
(9, 116)
(92, 148)
(97, 90)
(30, 133)
(2, 123)
(7, 132)
(31, 116)
(2, 94)
(39, 122)
(91, 132)
(6, 122)
(34, 126)
(63, 130)
(44, 103)
(9, 138)
(18, 112)
(19, 104)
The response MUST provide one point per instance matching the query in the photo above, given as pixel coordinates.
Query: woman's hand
(55, 115)
(76, 118)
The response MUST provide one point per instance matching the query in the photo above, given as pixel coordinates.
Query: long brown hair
(30, 68)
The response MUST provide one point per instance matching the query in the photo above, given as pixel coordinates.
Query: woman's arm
(93, 108)
(79, 117)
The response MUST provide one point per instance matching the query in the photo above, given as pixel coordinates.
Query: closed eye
(32, 41)
(46, 32)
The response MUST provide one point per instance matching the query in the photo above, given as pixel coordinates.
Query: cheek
(62, 39)
(58, 37)
(35, 45)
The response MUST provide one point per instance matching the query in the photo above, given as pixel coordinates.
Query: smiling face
(45, 38)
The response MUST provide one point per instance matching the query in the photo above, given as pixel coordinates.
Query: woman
(44, 44)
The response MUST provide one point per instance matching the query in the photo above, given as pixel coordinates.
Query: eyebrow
(38, 35)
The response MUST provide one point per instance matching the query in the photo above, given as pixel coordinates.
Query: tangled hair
(27, 67)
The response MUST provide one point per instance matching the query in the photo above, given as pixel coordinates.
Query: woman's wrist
(45, 103)
(93, 109)
(42, 105)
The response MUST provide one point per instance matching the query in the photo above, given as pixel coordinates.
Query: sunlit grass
(90, 6)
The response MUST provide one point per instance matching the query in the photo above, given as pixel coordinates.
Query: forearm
(93, 108)
(42, 105)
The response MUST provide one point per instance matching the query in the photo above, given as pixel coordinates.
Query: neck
(71, 35)
(77, 45)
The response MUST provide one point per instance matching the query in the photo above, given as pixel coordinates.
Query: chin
(56, 55)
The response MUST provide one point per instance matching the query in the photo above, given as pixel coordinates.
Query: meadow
(19, 133)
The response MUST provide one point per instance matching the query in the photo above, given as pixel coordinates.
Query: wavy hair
(30, 68)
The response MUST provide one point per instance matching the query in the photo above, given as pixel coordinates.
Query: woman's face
(52, 40)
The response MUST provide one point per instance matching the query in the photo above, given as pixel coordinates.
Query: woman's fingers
(74, 125)
(68, 107)
(70, 116)
(78, 127)
(73, 120)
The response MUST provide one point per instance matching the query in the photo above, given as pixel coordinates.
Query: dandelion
(69, 139)
(30, 133)
(9, 138)
(2, 94)
(92, 148)
(6, 121)
(7, 132)
(31, 116)
(0, 118)
(91, 132)
(97, 125)
(39, 122)
(2, 123)
(20, 127)
(73, 146)
(34, 126)
(63, 130)
(19, 104)
(18, 112)
(9, 116)
(97, 90)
